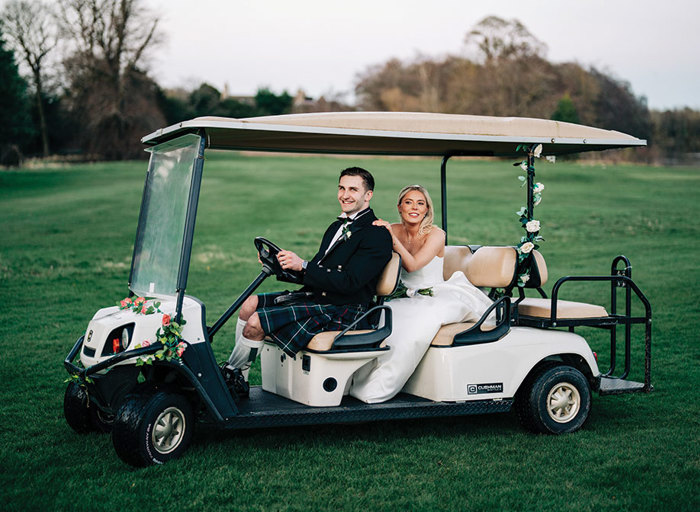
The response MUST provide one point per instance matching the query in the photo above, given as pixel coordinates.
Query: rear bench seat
(495, 267)
(542, 312)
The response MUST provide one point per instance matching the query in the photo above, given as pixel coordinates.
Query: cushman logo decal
(480, 389)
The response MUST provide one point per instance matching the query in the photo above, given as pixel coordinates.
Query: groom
(339, 282)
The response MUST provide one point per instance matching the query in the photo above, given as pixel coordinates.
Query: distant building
(246, 100)
(303, 104)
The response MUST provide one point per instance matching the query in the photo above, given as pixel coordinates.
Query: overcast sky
(320, 46)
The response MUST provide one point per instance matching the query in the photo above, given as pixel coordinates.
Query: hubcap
(168, 430)
(563, 402)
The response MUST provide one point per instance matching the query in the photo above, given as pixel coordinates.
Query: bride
(430, 301)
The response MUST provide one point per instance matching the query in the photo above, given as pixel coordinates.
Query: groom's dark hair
(367, 178)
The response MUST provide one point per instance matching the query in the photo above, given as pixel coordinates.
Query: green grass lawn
(66, 239)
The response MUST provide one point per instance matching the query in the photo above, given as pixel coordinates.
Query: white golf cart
(149, 388)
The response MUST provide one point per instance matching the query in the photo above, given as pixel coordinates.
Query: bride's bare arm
(433, 246)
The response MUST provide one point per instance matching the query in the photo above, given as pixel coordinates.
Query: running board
(265, 409)
(611, 386)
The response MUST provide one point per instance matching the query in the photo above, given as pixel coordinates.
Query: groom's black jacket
(349, 273)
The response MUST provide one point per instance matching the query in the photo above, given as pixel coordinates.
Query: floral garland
(529, 241)
(169, 333)
(138, 306)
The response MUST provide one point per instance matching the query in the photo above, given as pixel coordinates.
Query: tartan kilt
(293, 326)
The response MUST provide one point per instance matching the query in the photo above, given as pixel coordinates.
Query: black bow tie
(348, 220)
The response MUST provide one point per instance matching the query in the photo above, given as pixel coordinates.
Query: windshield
(161, 231)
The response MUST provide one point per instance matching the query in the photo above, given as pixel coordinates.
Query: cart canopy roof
(396, 133)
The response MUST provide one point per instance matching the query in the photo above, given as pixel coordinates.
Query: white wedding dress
(416, 320)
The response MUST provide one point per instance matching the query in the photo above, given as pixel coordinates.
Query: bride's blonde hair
(427, 223)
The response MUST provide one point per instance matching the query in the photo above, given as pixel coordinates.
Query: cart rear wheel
(77, 410)
(556, 401)
(152, 428)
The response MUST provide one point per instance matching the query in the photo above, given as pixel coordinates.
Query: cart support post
(530, 182)
(186, 250)
(443, 193)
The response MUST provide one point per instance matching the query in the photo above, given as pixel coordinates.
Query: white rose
(538, 151)
(538, 188)
(533, 226)
(524, 278)
(523, 165)
(538, 200)
(527, 247)
(410, 292)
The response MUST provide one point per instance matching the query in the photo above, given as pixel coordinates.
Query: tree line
(76, 82)
(506, 73)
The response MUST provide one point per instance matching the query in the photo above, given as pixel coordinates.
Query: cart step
(264, 409)
(612, 386)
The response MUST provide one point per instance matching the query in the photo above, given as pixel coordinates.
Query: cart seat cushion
(541, 267)
(492, 267)
(447, 333)
(456, 259)
(390, 276)
(323, 341)
(542, 308)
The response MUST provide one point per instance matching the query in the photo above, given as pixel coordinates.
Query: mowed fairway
(66, 239)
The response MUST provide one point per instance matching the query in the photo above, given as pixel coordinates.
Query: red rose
(166, 320)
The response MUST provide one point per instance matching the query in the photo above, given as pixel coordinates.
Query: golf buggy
(146, 369)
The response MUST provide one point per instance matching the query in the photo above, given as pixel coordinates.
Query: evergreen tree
(15, 119)
(566, 111)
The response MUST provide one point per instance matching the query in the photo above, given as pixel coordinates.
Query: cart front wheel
(76, 409)
(555, 401)
(152, 428)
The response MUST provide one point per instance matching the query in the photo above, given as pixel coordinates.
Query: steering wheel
(268, 255)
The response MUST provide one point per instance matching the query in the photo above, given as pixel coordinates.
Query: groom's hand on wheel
(290, 261)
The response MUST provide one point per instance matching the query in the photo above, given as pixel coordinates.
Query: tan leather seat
(489, 267)
(456, 259)
(566, 310)
(492, 267)
(388, 281)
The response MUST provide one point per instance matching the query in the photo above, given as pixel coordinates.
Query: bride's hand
(382, 222)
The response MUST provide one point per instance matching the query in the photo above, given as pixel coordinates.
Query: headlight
(118, 340)
(126, 338)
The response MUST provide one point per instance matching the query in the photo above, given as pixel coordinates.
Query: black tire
(557, 400)
(152, 428)
(77, 410)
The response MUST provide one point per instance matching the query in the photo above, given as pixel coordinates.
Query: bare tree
(115, 33)
(110, 91)
(30, 27)
(496, 38)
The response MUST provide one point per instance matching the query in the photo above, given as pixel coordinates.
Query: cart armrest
(346, 339)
